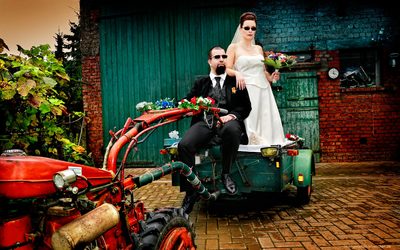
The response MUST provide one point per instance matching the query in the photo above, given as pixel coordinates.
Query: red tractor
(53, 204)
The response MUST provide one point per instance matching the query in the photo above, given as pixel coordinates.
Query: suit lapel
(207, 86)
(228, 89)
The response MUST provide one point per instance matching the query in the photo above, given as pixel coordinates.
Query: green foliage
(33, 95)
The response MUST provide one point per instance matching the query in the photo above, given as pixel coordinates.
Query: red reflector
(163, 151)
(293, 152)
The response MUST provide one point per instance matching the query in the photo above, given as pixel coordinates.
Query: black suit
(237, 102)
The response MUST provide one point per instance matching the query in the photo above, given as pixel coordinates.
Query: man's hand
(225, 119)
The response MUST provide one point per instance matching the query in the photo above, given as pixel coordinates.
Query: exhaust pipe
(86, 228)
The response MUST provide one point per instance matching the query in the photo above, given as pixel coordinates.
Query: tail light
(300, 178)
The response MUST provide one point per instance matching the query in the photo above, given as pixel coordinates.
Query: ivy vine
(34, 116)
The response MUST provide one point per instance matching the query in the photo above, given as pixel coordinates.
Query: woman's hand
(275, 76)
(240, 82)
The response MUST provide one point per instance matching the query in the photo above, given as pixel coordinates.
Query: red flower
(193, 100)
(212, 100)
(163, 151)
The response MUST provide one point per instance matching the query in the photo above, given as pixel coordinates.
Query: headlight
(64, 178)
(270, 152)
(172, 150)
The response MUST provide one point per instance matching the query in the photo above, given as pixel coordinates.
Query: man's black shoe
(189, 201)
(229, 184)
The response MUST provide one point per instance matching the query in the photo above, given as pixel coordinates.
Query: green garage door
(151, 54)
(297, 100)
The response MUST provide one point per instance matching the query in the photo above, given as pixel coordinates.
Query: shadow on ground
(253, 203)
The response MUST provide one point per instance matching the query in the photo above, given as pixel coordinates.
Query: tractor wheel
(167, 229)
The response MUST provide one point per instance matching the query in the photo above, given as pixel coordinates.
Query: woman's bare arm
(231, 52)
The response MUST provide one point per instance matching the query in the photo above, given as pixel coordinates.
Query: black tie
(218, 79)
(218, 91)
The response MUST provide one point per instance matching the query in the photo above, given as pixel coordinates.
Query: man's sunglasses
(219, 56)
(248, 28)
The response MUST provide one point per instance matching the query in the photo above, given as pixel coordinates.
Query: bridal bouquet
(279, 60)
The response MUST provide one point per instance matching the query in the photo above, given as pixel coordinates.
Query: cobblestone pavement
(353, 206)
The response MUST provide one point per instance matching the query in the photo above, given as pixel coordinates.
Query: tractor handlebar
(223, 111)
(215, 110)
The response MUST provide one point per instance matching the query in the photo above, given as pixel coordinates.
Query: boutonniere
(233, 90)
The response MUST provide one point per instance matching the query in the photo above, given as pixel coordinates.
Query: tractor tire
(167, 229)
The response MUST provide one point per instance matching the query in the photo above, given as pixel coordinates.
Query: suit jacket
(237, 101)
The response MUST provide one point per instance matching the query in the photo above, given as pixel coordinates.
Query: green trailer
(258, 168)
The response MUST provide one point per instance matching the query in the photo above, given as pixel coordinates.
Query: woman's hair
(247, 16)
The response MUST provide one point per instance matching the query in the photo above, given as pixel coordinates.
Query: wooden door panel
(297, 101)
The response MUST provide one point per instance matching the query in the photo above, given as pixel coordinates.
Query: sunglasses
(248, 28)
(219, 56)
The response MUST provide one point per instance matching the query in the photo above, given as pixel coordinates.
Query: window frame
(360, 67)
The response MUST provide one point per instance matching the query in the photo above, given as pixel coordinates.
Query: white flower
(174, 134)
(140, 105)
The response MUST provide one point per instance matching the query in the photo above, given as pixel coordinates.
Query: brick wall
(360, 124)
(93, 105)
(91, 76)
(355, 124)
(291, 25)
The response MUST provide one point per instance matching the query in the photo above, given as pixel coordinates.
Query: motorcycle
(53, 204)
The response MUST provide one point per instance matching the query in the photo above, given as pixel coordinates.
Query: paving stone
(353, 206)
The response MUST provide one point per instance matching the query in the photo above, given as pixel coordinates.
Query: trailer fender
(303, 166)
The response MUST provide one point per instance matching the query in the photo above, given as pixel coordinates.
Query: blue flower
(166, 103)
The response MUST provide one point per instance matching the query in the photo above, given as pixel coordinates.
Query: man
(222, 88)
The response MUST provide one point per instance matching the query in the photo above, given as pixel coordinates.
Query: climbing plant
(34, 114)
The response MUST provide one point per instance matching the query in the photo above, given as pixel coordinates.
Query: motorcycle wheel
(167, 229)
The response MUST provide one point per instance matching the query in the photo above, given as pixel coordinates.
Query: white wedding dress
(263, 125)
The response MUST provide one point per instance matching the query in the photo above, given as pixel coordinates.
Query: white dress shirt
(221, 82)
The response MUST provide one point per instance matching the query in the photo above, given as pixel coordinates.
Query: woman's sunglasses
(248, 28)
(219, 56)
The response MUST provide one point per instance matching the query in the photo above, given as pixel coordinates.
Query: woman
(245, 61)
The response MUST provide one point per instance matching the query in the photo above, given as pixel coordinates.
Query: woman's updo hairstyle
(247, 16)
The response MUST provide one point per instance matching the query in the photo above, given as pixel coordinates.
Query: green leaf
(44, 108)
(49, 81)
(20, 73)
(16, 64)
(32, 139)
(55, 101)
(8, 94)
